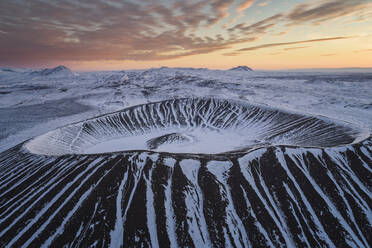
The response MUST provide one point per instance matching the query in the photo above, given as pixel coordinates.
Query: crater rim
(359, 133)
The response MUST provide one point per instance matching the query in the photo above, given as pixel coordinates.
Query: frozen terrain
(185, 158)
(32, 103)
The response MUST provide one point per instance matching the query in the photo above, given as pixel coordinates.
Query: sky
(216, 34)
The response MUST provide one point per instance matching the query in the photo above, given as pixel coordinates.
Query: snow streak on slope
(275, 196)
(308, 184)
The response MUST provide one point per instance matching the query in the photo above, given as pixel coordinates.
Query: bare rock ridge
(171, 138)
(306, 182)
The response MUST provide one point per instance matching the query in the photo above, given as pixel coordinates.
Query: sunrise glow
(111, 35)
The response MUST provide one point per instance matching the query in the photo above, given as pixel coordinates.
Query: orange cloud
(47, 31)
(245, 5)
(263, 4)
(326, 10)
(295, 48)
(291, 43)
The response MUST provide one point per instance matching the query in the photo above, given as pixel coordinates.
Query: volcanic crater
(193, 125)
(192, 172)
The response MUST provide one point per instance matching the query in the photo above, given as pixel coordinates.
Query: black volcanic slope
(298, 181)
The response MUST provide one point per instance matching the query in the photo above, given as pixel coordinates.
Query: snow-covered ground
(33, 102)
(309, 188)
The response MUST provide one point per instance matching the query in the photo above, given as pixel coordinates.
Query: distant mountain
(6, 70)
(13, 70)
(56, 71)
(241, 68)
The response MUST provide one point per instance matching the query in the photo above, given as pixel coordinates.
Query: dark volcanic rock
(167, 139)
(271, 196)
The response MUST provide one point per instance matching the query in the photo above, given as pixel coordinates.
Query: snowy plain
(33, 102)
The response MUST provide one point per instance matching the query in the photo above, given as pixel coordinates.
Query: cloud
(232, 54)
(292, 43)
(260, 27)
(219, 9)
(263, 4)
(282, 33)
(245, 5)
(101, 30)
(48, 31)
(295, 48)
(315, 12)
(326, 10)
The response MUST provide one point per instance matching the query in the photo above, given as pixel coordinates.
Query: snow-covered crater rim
(195, 126)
